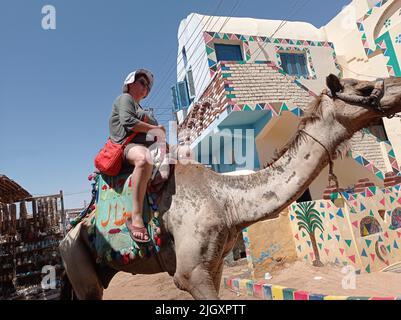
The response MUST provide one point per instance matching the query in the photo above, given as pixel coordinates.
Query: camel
(203, 212)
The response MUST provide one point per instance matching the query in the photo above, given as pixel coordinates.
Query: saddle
(112, 204)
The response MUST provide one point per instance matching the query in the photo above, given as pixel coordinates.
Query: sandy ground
(161, 287)
(327, 280)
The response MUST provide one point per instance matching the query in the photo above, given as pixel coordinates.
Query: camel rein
(373, 101)
(332, 176)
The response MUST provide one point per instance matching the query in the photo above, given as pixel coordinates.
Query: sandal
(133, 229)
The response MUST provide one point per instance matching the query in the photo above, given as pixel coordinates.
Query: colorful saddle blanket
(108, 234)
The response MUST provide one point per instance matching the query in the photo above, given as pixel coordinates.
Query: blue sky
(57, 87)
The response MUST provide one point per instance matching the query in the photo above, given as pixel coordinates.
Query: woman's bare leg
(139, 156)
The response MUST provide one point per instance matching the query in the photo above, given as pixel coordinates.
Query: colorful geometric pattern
(396, 219)
(306, 51)
(275, 109)
(383, 43)
(344, 240)
(361, 27)
(391, 157)
(210, 37)
(369, 226)
(265, 291)
(370, 166)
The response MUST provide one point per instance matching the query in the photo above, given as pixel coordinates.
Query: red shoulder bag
(109, 160)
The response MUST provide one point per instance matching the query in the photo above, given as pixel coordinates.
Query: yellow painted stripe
(242, 285)
(277, 292)
(335, 298)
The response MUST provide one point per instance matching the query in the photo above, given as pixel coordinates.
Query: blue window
(228, 52)
(184, 57)
(294, 64)
(191, 84)
(180, 96)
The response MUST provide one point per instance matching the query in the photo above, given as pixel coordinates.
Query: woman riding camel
(127, 117)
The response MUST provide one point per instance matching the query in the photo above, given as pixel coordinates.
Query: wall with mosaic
(367, 38)
(359, 229)
(380, 30)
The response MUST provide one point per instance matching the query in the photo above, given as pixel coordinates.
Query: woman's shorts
(130, 146)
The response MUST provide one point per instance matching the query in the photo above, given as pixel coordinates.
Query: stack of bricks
(211, 104)
(254, 83)
(368, 146)
(362, 184)
(329, 191)
(391, 180)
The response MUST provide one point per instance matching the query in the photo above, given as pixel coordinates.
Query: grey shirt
(126, 113)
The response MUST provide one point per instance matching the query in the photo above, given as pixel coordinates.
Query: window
(228, 52)
(183, 93)
(191, 85)
(369, 225)
(184, 57)
(180, 96)
(294, 64)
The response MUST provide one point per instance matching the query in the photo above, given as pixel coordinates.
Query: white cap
(134, 75)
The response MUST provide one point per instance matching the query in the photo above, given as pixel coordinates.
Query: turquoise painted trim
(390, 52)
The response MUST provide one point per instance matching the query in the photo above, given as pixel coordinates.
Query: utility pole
(62, 212)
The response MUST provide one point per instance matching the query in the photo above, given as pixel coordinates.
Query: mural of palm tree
(309, 220)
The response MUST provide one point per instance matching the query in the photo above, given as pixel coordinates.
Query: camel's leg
(217, 276)
(199, 263)
(79, 266)
(197, 281)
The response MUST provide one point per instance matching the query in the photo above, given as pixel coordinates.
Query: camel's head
(358, 103)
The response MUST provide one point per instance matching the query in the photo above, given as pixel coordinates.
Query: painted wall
(341, 235)
(269, 245)
(367, 40)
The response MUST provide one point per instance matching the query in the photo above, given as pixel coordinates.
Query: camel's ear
(334, 84)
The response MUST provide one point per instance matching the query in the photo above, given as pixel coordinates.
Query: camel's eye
(366, 91)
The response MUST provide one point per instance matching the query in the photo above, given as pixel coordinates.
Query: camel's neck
(266, 193)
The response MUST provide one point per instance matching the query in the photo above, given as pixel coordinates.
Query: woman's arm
(141, 126)
(130, 119)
